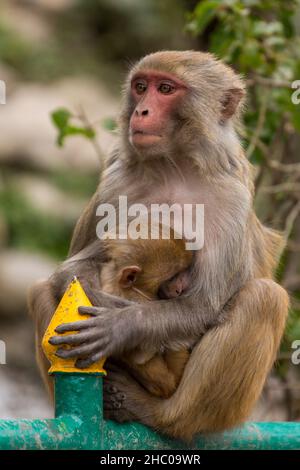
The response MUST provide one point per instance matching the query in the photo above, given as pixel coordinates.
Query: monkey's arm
(111, 331)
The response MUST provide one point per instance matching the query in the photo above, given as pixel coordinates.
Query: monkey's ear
(128, 276)
(230, 101)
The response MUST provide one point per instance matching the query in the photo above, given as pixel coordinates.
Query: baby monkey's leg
(155, 376)
(176, 362)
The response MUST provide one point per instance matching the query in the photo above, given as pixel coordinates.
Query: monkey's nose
(144, 112)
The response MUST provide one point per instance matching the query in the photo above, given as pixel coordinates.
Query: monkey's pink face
(155, 96)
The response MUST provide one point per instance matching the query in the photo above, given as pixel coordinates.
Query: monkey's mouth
(143, 138)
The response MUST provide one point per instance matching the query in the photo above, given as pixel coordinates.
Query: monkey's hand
(109, 332)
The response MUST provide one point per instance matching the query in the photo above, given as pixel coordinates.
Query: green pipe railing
(79, 424)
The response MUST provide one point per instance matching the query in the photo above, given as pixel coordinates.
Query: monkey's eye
(166, 88)
(140, 87)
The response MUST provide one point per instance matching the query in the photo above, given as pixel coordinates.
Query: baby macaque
(146, 270)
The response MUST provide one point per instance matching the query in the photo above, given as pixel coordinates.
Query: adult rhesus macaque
(178, 144)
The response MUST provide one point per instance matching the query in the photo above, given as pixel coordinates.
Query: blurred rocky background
(74, 54)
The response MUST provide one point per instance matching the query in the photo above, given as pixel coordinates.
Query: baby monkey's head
(146, 269)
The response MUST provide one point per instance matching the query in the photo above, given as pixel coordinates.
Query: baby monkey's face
(175, 286)
(133, 282)
(144, 270)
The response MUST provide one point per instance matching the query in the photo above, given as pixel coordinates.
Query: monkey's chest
(175, 207)
(179, 194)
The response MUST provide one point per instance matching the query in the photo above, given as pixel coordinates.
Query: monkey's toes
(115, 400)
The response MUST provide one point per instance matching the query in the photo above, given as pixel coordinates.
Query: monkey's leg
(42, 305)
(176, 362)
(225, 373)
(155, 376)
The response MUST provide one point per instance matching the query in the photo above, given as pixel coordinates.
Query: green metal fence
(79, 424)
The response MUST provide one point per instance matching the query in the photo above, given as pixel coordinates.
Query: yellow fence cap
(66, 312)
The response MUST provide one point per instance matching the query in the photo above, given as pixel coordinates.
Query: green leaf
(263, 28)
(85, 131)
(274, 41)
(204, 14)
(61, 119)
(296, 116)
(109, 124)
(293, 326)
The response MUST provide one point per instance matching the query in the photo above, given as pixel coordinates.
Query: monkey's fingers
(75, 326)
(94, 311)
(113, 399)
(112, 300)
(78, 338)
(84, 350)
(83, 363)
(113, 393)
(113, 365)
(111, 405)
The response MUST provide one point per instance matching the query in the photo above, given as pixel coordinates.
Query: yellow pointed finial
(67, 311)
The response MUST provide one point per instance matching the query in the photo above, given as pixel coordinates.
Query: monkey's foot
(124, 399)
(116, 402)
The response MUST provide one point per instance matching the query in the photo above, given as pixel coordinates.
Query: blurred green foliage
(103, 34)
(31, 229)
(74, 183)
(258, 38)
(33, 61)
(109, 124)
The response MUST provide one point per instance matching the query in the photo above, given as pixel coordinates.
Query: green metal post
(79, 424)
(251, 436)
